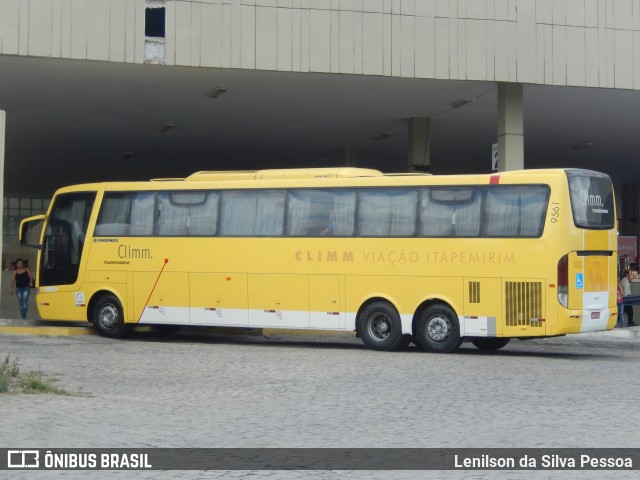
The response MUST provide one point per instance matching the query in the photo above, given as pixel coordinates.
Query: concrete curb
(629, 332)
(69, 329)
(46, 331)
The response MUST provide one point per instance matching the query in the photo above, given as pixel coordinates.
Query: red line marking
(166, 260)
(494, 179)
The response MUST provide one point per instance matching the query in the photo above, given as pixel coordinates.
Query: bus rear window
(591, 199)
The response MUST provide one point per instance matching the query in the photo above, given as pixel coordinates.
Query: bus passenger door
(279, 300)
(218, 299)
(61, 293)
(325, 309)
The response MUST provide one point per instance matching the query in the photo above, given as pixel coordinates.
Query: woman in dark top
(21, 283)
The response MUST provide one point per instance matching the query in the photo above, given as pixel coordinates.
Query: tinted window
(252, 213)
(187, 213)
(126, 214)
(515, 211)
(64, 238)
(329, 212)
(450, 212)
(387, 212)
(496, 211)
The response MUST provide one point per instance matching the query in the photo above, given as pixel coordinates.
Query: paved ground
(223, 391)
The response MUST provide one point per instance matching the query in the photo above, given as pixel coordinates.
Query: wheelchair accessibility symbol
(579, 280)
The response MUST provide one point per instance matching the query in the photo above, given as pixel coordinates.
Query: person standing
(21, 284)
(626, 292)
(620, 304)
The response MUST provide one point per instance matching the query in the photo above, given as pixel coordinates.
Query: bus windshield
(591, 199)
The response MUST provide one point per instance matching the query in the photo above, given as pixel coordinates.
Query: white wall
(560, 42)
(110, 30)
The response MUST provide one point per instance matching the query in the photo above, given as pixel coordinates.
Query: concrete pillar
(629, 209)
(419, 145)
(3, 117)
(510, 127)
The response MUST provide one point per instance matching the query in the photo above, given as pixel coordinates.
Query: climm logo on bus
(588, 200)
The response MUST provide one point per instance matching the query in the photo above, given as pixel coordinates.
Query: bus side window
(187, 213)
(387, 212)
(246, 213)
(515, 211)
(126, 214)
(450, 212)
(142, 212)
(321, 212)
(114, 215)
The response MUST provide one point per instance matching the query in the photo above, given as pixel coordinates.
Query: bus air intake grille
(523, 304)
(474, 292)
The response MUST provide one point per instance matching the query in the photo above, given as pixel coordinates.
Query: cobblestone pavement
(243, 391)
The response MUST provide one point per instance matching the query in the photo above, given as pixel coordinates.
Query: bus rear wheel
(490, 343)
(380, 327)
(108, 317)
(438, 329)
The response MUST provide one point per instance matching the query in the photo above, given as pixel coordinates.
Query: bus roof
(337, 176)
(292, 173)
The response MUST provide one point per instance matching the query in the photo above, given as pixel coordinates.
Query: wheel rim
(108, 316)
(438, 328)
(379, 327)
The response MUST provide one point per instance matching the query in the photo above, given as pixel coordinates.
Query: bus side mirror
(25, 227)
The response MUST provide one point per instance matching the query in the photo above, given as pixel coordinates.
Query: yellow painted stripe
(55, 331)
(596, 240)
(596, 273)
(46, 331)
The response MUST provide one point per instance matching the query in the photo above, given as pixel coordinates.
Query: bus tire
(438, 329)
(108, 317)
(490, 343)
(380, 327)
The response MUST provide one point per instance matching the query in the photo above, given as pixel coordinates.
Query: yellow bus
(397, 258)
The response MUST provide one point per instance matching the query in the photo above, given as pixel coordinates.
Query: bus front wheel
(380, 327)
(108, 317)
(490, 343)
(438, 329)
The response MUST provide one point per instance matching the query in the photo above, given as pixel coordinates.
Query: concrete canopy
(82, 121)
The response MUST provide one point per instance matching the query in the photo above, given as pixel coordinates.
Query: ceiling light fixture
(382, 136)
(216, 92)
(461, 102)
(165, 127)
(581, 146)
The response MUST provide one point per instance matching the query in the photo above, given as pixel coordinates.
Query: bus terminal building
(100, 90)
